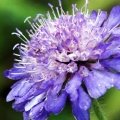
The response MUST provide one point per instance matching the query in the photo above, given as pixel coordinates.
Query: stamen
(22, 34)
(23, 63)
(74, 8)
(53, 12)
(87, 12)
(22, 52)
(27, 20)
(99, 12)
(35, 26)
(84, 9)
(41, 19)
(60, 4)
(67, 12)
(86, 5)
(41, 22)
(31, 71)
(18, 35)
(48, 16)
(30, 35)
(16, 54)
(20, 67)
(15, 46)
(58, 11)
(17, 73)
(44, 21)
(14, 33)
(23, 48)
(38, 16)
(31, 31)
(17, 60)
(22, 44)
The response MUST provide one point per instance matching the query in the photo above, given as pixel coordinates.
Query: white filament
(15, 46)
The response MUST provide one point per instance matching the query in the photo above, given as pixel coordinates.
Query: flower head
(74, 56)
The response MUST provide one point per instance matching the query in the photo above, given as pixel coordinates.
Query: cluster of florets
(73, 56)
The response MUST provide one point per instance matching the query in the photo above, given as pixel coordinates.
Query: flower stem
(98, 110)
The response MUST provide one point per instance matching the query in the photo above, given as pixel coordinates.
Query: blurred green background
(12, 15)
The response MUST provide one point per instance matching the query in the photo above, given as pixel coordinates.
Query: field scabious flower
(73, 56)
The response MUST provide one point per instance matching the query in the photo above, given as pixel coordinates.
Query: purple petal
(84, 99)
(117, 82)
(19, 107)
(98, 82)
(34, 101)
(73, 85)
(113, 64)
(46, 84)
(55, 103)
(114, 18)
(97, 66)
(42, 116)
(98, 50)
(93, 15)
(14, 92)
(116, 31)
(79, 113)
(101, 17)
(112, 49)
(34, 91)
(26, 116)
(58, 83)
(36, 110)
(26, 87)
(38, 113)
(15, 74)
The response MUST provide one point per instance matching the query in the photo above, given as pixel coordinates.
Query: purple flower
(71, 57)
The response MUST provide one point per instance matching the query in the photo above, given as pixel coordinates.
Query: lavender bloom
(74, 56)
